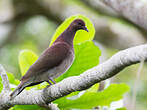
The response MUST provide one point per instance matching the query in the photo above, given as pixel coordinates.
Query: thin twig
(5, 81)
(136, 85)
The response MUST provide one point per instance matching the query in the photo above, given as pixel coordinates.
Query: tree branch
(77, 83)
(134, 10)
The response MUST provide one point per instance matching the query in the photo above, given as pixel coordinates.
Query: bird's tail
(18, 90)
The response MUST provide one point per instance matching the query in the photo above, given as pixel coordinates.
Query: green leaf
(27, 107)
(94, 88)
(92, 99)
(86, 56)
(121, 108)
(12, 79)
(26, 59)
(1, 85)
(13, 82)
(81, 35)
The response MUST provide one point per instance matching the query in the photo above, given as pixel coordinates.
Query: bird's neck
(67, 36)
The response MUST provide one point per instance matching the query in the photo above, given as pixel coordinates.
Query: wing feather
(50, 58)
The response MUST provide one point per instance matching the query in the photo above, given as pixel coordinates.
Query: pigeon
(54, 61)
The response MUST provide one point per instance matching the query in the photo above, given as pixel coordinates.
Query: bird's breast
(63, 66)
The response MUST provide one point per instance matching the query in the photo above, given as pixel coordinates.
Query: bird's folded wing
(49, 59)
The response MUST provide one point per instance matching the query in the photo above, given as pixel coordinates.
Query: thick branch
(77, 83)
(134, 10)
(100, 7)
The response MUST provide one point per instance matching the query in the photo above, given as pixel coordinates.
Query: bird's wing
(50, 58)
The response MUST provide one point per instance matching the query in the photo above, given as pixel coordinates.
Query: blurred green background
(30, 24)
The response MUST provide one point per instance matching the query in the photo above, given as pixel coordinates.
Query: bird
(54, 61)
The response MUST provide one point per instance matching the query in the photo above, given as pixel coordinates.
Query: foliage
(26, 59)
(12, 79)
(122, 108)
(27, 107)
(91, 98)
(1, 85)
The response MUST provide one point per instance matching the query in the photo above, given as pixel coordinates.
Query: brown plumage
(54, 61)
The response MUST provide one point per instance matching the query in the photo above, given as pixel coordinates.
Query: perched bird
(54, 61)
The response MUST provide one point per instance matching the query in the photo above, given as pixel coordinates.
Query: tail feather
(18, 90)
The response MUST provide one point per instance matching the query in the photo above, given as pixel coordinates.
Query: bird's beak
(85, 28)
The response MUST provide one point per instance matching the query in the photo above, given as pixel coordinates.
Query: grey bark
(134, 10)
(94, 75)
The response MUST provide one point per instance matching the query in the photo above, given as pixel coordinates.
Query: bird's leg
(54, 82)
(48, 81)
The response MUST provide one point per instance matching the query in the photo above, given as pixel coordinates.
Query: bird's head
(78, 24)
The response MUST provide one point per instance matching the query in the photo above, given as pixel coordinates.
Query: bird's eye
(79, 24)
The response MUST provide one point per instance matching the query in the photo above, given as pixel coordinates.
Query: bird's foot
(54, 82)
(51, 81)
